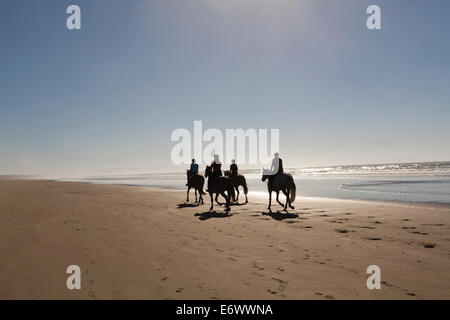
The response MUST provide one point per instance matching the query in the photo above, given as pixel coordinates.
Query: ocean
(427, 182)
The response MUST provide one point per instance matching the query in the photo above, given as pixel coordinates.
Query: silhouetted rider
(216, 170)
(194, 167)
(276, 168)
(233, 168)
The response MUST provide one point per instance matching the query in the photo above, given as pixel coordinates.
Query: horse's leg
(246, 199)
(287, 199)
(217, 196)
(287, 193)
(211, 195)
(227, 198)
(201, 196)
(237, 197)
(278, 200)
(270, 201)
(187, 198)
(195, 195)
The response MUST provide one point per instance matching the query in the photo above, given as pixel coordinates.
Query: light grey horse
(283, 182)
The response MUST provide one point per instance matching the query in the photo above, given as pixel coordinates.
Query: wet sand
(145, 243)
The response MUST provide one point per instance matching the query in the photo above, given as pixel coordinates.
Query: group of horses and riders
(227, 184)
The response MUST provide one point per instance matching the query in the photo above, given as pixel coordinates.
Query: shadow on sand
(238, 204)
(187, 205)
(280, 215)
(212, 214)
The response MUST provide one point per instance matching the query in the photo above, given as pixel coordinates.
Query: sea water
(409, 182)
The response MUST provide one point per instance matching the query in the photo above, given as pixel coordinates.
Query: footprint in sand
(282, 284)
(429, 245)
(257, 274)
(421, 233)
(365, 227)
(280, 281)
(386, 284)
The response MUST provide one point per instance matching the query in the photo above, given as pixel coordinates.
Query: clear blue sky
(108, 96)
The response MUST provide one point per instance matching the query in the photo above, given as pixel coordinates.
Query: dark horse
(196, 181)
(282, 182)
(238, 180)
(219, 185)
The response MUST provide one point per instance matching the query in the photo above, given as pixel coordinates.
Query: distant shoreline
(259, 194)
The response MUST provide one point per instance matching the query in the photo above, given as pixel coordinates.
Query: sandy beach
(144, 243)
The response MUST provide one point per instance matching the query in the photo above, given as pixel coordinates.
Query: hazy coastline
(425, 182)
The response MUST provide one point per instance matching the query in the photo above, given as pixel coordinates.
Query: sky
(107, 97)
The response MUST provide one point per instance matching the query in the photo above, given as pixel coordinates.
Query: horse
(196, 181)
(281, 182)
(238, 180)
(219, 185)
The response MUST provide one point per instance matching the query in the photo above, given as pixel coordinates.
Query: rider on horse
(276, 168)
(193, 169)
(234, 168)
(216, 169)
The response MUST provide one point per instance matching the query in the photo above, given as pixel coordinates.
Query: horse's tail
(293, 189)
(244, 184)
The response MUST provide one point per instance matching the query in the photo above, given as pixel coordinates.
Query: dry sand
(137, 243)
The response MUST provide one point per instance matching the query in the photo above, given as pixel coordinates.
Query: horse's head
(265, 175)
(207, 171)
